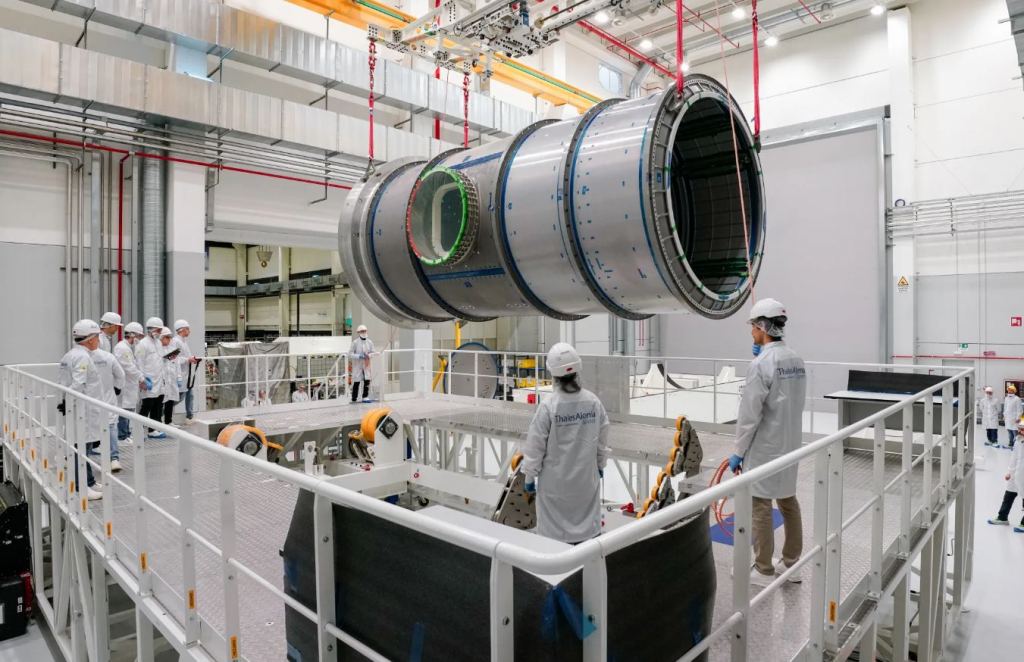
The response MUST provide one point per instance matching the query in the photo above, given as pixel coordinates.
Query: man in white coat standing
(1012, 410)
(768, 426)
(989, 408)
(1014, 483)
(134, 380)
(359, 358)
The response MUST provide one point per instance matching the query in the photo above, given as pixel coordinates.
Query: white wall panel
(263, 312)
(221, 314)
(316, 310)
(256, 270)
(308, 259)
(32, 201)
(221, 264)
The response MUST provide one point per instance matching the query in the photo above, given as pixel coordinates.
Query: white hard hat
(154, 323)
(84, 329)
(563, 360)
(134, 327)
(361, 328)
(767, 308)
(111, 318)
(988, 389)
(180, 324)
(164, 331)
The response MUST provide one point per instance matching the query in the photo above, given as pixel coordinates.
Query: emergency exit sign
(1016, 321)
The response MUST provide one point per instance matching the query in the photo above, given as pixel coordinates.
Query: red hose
(718, 507)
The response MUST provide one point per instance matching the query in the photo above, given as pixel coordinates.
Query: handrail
(516, 555)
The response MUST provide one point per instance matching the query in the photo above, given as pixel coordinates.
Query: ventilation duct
(152, 231)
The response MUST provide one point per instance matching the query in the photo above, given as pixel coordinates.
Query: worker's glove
(530, 487)
(735, 463)
(149, 383)
(63, 410)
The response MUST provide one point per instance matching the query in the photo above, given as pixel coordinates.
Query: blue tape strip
(559, 602)
(419, 632)
(475, 162)
(475, 273)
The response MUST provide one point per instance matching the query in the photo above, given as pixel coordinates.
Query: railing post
(476, 374)
(323, 559)
(595, 609)
(141, 521)
(961, 430)
(188, 553)
(714, 392)
(503, 612)
(664, 390)
(945, 466)
(741, 572)
(226, 484)
(834, 549)
(906, 493)
(928, 446)
(816, 630)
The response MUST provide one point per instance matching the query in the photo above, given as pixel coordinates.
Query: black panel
(902, 383)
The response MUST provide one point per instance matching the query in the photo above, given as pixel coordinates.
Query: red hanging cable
(465, 109)
(679, 48)
(373, 68)
(757, 78)
(437, 75)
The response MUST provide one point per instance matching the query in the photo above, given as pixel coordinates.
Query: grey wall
(32, 300)
(823, 258)
(966, 308)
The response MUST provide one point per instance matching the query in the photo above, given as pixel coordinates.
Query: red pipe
(120, 239)
(171, 159)
(626, 47)
(959, 356)
(813, 15)
(679, 48)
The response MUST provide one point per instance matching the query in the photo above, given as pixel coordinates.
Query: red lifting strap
(373, 67)
(679, 48)
(757, 79)
(465, 109)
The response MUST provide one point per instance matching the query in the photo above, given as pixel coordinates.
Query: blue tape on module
(416, 646)
(559, 602)
(720, 536)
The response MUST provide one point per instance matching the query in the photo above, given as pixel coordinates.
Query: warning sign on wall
(903, 284)
(1016, 321)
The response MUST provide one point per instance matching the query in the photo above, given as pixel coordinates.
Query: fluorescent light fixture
(772, 41)
(645, 45)
(739, 13)
(602, 17)
(685, 67)
(878, 9)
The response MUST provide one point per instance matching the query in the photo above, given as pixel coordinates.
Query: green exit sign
(963, 345)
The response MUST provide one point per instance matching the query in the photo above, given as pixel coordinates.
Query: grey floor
(989, 630)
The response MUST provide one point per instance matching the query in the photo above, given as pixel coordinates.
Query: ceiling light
(601, 17)
(739, 13)
(645, 45)
(772, 41)
(685, 67)
(878, 9)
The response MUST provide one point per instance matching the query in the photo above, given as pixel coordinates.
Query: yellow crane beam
(361, 13)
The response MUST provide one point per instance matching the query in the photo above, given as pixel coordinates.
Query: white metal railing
(43, 444)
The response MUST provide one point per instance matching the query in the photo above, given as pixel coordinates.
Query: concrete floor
(988, 630)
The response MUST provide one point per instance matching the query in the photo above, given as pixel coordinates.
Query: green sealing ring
(469, 219)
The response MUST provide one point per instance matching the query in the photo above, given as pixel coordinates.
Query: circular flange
(443, 217)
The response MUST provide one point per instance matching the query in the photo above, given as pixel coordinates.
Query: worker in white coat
(171, 385)
(565, 453)
(769, 425)
(1012, 410)
(988, 408)
(300, 394)
(187, 365)
(134, 381)
(151, 362)
(112, 378)
(110, 323)
(359, 354)
(78, 372)
(1014, 482)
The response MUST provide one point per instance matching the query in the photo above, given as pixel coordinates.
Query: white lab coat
(565, 447)
(171, 378)
(107, 342)
(1016, 470)
(360, 366)
(184, 360)
(300, 396)
(78, 372)
(989, 410)
(770, 419)
(125, 355)
(150, 359)
(1011, 411)
(111, 376)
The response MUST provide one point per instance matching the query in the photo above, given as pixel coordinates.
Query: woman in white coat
(1012, 410)
(1014, 482)
(566, 451)
(989, 409)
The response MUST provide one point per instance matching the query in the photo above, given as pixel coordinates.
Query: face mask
(755, 349)
(363, 336)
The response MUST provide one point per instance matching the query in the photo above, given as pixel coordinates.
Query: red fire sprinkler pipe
(625, 47)
(120, 238)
